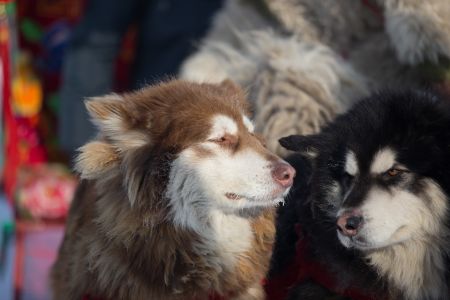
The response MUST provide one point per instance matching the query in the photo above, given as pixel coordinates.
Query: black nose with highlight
(350, 222)
(353, 223)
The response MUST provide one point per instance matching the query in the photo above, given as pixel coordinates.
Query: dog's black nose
(353, 222)
(350, 222)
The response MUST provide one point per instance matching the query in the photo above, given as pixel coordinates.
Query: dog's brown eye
(393, 172)
(226, 140)
(218, 140)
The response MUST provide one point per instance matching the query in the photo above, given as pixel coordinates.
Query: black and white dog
(374, 206)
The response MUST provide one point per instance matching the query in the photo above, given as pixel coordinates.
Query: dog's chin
(356, 242)
(241, 203)
(245, 201)
(359, 242)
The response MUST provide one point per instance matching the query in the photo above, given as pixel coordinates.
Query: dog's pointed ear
(116, 121)
(95, 158)
(108, 113)
(308, 145)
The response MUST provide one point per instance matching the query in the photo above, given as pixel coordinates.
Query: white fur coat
(304, 61)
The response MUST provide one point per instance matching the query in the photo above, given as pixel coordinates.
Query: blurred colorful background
(56, 53)
(53, 53)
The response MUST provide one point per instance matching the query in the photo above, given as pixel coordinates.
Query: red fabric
(304, 268)
(11, 140)
(211, 297)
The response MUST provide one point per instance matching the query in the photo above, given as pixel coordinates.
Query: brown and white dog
(176, 199)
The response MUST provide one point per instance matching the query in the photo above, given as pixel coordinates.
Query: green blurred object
(8, 227)
(31, 30)
(11, 8)
(53, 102)
(7, 248)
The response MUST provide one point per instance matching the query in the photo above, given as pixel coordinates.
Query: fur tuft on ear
(108, 113)
(308, 145)
(115, 121)
(95, 159)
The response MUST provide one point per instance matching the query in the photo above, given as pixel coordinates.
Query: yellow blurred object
(26, 89)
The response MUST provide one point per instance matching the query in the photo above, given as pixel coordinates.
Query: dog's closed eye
(226, 140)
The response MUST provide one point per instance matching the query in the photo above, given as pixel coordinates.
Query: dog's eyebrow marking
(222, 125)
(382, 161)
(351, 166)
(248, 123)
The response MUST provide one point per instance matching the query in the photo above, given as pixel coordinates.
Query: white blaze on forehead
(383, 161)
(248, 123)
(351, 166)
(221, 125)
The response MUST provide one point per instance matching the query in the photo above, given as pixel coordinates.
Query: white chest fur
(233, 236)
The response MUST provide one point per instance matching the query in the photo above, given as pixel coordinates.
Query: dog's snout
(349, 223)
(284, 174)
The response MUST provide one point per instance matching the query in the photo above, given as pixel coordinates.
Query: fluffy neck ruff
(242, 240)
(415, 268)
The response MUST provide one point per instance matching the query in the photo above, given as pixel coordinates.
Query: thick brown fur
(120, 242)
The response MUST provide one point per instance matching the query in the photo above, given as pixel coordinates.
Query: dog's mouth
(233, 196)
(358, 242)
(362, 241)
(275, 198)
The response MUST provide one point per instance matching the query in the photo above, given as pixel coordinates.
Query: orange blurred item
(27, 93)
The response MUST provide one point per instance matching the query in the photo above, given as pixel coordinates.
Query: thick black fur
(416, 122)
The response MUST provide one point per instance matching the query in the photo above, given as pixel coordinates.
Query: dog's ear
(308, 145)
(95, 158)
(116, 121)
